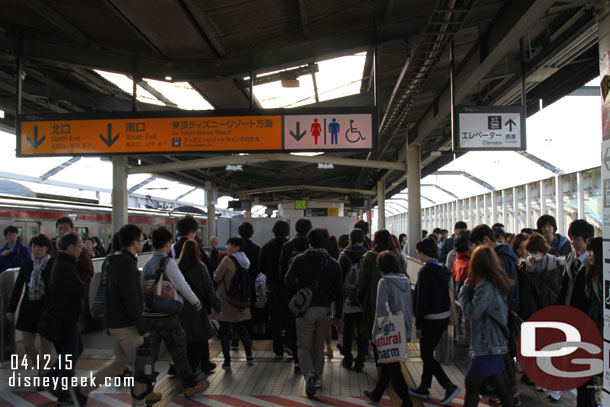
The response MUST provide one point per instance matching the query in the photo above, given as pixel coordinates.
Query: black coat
(312, 265)
(269, 262)
(65, 296)
(196, 324)
(123, 304)
(29, 311)
(211, 261)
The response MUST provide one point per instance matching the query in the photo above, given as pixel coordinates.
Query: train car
(32, 216)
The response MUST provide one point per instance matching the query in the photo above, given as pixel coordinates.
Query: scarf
(36, 285)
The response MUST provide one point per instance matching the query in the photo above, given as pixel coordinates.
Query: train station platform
(268, 383)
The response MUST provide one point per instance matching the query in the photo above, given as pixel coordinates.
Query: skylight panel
(182, 94)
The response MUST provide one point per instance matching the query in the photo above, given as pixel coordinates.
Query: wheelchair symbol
(352, 134)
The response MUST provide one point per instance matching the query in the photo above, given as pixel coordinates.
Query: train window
(82, 231)
(32, 231)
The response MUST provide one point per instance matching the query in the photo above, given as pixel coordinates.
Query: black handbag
(154, 299)
(300, 302)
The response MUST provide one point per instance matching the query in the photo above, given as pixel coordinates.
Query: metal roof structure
(214, 45)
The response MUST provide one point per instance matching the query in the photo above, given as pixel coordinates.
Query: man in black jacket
(269, 264)
(123, 307)
(291, 248)
(187, 229)
(66, 292)
(322, 274)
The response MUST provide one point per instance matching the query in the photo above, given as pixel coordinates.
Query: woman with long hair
(366, 284)
(196, 324)
(484, 301)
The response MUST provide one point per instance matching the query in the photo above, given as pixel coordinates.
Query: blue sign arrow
(108, 140)
(35, 143)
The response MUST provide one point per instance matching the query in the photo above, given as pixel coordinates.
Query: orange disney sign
(149, 135)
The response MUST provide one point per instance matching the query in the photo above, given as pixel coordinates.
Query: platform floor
(269, 383)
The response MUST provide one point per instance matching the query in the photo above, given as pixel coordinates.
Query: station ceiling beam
(59, 168)
(513, 23)
(469, 176)
(307, 188)
(258, 158)
(141, 184)
(544, 164)
(182, 70)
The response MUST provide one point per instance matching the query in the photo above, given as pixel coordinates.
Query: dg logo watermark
(560, 348)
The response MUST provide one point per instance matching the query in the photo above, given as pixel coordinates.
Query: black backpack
(239, 293)
(349, 286)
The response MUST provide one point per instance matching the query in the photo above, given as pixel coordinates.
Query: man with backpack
(349, 260)
(236, 296)
(166, 327)
(321, 274)
(290, 250)
(122, 304)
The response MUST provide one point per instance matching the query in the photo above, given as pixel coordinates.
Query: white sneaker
(554, 395)
(540, 389)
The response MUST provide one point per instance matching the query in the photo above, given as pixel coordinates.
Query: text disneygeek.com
(64, 383)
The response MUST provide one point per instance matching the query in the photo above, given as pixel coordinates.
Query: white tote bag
(391, 338)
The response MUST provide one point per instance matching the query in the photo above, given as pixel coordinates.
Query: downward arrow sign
(607, 158)
(510, 123)
(35, 143)
(109, 141)
(298, 136)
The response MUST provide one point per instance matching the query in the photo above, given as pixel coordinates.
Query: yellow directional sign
(116, 136)
(307, 129)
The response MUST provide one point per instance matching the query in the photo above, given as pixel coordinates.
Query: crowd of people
(300, 292)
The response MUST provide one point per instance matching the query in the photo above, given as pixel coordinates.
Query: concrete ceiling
(216, 43)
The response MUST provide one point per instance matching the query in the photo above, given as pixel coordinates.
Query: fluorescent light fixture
(234, 167)
(1, 114)
(323, 166)
(168, 78)
(308, 154)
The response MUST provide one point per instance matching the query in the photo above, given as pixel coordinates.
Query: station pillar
(603, 23)
(119, 192)
(380, 205)
(414, 192)
(210, 200)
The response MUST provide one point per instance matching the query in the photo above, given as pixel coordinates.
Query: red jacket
(460, 267)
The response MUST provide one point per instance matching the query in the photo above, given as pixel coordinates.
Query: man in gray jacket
(164, 327)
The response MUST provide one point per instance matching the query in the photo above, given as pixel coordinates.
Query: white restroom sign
(489, 128)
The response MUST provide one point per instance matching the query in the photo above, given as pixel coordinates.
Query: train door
(32, 229)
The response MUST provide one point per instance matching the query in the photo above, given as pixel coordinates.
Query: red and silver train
(32, 216)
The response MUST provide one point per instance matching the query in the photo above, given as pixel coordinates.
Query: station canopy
(207, 56)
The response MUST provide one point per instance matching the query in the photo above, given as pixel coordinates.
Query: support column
(542, 197)
(515, 212)
(494, 208)
(559, 204)
(210, 201)
(580, 187)
(380, 205)
(119, 192)
(528, 208)
(414, 190)
(504, 208)
(603, 23)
